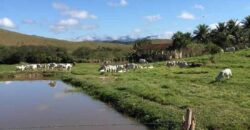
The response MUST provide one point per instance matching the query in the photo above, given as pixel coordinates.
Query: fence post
(188, 120)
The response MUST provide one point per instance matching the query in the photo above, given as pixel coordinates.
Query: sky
(101, 19)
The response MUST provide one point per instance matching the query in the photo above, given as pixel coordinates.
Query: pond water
(49, 105)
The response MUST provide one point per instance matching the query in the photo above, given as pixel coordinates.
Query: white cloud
(68, 22)
(165, 35)
(121, 3)
(186, 15)
(60, 6)
(137, 30)
(153, 18)
(64, 25)
(73, 13)
(239, 23)
(7, 82)
(213, 26)
(89, 27)
(7, 23)
(29, 21)
(199, 6)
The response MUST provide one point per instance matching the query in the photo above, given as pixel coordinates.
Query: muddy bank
(30, 75)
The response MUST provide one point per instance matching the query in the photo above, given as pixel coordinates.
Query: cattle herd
(123, 67)
(182, 64)
(49, 66)
(106, 67)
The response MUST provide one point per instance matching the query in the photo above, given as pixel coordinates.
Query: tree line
(203, 40)
(226, 34)
(54, 54)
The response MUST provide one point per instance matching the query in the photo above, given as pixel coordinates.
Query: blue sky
(89, 19)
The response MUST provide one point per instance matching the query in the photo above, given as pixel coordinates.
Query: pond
(43, 104)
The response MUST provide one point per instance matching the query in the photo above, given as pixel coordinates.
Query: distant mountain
(121, 40)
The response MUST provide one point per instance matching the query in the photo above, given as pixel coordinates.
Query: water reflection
(27, 104)
(7, 82)
(52, 84)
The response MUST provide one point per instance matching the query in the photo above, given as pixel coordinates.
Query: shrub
(212, 48)
(193, 49)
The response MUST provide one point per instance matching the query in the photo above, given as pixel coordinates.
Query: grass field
(161, 95)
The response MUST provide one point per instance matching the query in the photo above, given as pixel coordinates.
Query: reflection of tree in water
(52, 84)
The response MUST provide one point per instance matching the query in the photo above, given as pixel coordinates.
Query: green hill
(10, 38)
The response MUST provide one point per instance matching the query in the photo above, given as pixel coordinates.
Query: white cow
(143, 61)
(224, 73)
(20, 68)
(69, 66)
(230, 49)
(31, 67)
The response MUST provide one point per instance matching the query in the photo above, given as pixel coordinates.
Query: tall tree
(246, 22)
(219, 36)
(221, 27)
(246, 28)
(234, 32)
(181, 40)
(202, 33)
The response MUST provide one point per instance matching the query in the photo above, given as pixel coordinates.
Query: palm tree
(219, 36)
(202, 33)
(232, 26)
(234, 31)
(221, 27)
(246, 23)
(246, 29)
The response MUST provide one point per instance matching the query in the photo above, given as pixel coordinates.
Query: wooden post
(188, 121)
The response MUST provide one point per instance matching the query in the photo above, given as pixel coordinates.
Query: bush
(34, 54)
(212, 48)
(85, 54)
(193, 49)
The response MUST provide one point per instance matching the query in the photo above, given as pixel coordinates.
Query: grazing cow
(171, 63)
(143, 61)
(20, 68)
(119, 68)
(130, 66)
(69, 66)
(108, 68)
(230, 49)
(224, 73)
(31, 67)
(182, 64)
(52, 66)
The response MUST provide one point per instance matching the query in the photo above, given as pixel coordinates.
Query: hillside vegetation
(10, 38)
